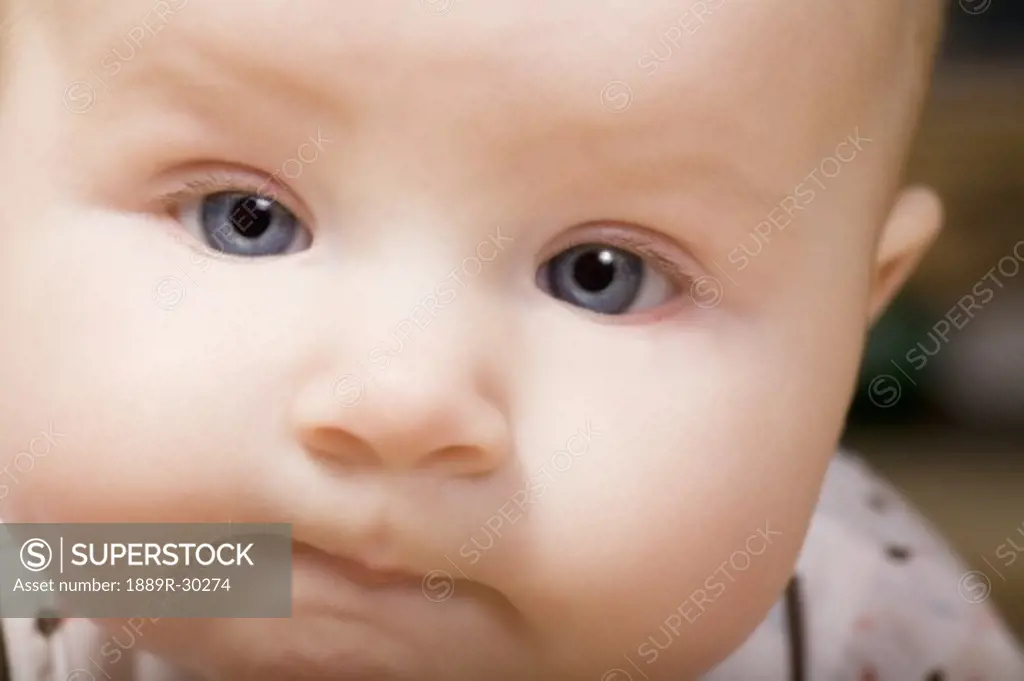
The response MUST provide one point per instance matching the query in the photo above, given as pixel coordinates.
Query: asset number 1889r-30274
(177, 584)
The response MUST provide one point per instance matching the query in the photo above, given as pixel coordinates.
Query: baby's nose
(414, 415)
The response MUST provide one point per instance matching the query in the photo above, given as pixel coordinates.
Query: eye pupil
(251, 216)
(595, 270)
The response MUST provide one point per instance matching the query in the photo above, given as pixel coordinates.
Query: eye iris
(251, 216)
(594, 270)
(250, 225)
(597, 277)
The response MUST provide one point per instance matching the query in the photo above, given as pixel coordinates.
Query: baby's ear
(911, 228)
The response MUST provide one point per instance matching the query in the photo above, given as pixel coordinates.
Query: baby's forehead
(701, 46)
(715, 87)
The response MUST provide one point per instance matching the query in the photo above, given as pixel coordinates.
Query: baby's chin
(309, 649)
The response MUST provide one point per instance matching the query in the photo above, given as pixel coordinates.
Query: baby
(537, 321)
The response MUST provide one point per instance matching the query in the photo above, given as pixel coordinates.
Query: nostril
(338, 447)
(464, 459)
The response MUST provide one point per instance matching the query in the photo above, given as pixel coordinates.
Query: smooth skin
(192, 385)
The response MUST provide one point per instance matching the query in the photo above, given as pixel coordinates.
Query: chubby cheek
(156, 403)
(668, 540)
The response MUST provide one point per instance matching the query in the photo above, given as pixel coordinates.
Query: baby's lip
(357, 569)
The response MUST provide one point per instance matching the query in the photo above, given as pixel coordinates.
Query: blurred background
(940, 409)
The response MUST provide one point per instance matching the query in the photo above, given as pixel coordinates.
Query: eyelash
(191, 190)
(666, 262)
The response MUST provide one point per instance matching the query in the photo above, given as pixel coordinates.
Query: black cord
(5, 667)
(795, 622)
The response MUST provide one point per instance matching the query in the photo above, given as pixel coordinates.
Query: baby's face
(563, 300)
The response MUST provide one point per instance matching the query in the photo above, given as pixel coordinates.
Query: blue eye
(246, 224)
(604, 279)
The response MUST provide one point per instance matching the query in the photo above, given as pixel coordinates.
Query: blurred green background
(940, 410)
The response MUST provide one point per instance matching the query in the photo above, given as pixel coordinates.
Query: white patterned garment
(881, 598)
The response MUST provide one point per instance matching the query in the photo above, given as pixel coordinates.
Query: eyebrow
(687, 163)
(194, 66)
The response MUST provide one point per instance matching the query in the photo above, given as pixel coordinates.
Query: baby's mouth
(356, 570)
